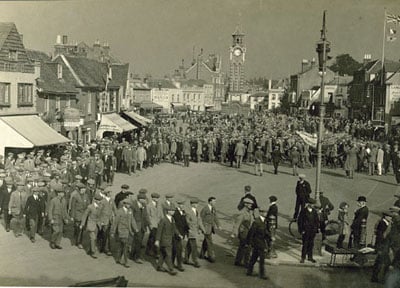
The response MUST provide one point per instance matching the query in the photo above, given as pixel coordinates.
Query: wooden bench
(359, 256)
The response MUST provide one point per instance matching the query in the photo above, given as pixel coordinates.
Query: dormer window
(13, 55)
(59, 71)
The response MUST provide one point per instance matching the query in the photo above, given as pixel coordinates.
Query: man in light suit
(140, 215)
(195, 225)
(107, 214)
(155, 214)
(92, 219)
(123, 228)
(16, 208)
(210, 222)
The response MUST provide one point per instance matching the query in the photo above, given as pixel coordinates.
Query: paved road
(23, 263)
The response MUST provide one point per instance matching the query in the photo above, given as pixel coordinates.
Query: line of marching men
(32, 206)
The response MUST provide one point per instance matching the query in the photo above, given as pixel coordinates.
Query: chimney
(64, 39)
(269, 84)
(96, 48)
(367, 58)
(312, 62)
(304, 65)
(58, 40)
(106, 49)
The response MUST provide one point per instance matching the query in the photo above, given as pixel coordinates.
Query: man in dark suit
(5, 195)
(360, 218)
(166, 231)
(139, 212)
(276, 157)
(272, 225)
(181, 231)
(257, 238)
(210, 222)
(123, 194)
(34, 210)
(108, 167)
(308, 223)
(303, 191)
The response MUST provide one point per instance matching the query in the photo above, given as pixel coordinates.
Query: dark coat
(359, 215)
(5, 198)
(181, 223)
(272, 211)
(166, 231)
(248, 196)
(140, 216)
(34, 208)
(276, 156)
(303, 191)
(258, 234)
(308, 221)
(326, 207)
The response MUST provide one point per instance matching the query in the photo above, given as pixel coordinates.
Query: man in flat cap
(92, 219)
(166, 231)
(139, 212)
(308, 224)
(303, 191)
(79, 202)
(5, 195)
(107, 214)
(123, 227)
(182, 230)
(155, 214)
(123, 194)
(194, 226)
(360, 219)
(257, 237)
(16, 208)
(241, 229)
(57, 216)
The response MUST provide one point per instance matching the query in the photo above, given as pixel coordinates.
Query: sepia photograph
(200, 143)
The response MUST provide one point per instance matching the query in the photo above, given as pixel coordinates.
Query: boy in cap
(166, 231)
(257, 237)
(240, 230)
(57, 216)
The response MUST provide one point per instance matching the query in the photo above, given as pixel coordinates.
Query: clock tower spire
(237, 61)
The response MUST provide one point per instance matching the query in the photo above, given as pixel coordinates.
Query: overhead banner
(308, 138)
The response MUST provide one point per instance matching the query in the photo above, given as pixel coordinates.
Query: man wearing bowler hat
(360, 215)
(308, 224)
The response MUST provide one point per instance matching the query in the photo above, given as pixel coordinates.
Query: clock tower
(237, 60)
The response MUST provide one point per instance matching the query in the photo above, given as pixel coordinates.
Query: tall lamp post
(323, 47)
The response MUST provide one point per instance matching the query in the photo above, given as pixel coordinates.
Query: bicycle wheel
(293, 229)
(332, 228)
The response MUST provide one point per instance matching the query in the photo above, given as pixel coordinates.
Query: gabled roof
(91, 72)
(375, 66)
(161, 83)
(193, 83)
(49, 82)
(34, 55)
(5, 29)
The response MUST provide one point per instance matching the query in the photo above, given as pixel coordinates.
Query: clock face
(237, 52)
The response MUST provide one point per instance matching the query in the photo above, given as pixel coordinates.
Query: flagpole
(383, 45)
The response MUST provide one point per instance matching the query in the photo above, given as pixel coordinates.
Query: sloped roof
(5, 29)
(193, 83)
(163, 83)
(50, 83)
(342, 81)
(35, 55)
(119, 75)
(91, 72)
(375, 66)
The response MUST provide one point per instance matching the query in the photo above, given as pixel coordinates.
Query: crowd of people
(43, 190)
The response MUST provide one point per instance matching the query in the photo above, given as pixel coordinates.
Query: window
(4, 93)
(89, 104)
(25, 94)
(59, 71)
(58, 103)
(13, 55)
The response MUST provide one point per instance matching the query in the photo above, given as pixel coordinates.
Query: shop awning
(27, 131)
(148, 105)
(137, 118)
(113, 123)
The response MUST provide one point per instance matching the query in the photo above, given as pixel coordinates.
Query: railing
(17, 67)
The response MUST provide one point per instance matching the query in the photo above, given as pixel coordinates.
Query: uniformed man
(360, 216)
(57, 216)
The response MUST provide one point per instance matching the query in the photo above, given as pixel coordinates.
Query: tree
(345, 64)
(284, 108)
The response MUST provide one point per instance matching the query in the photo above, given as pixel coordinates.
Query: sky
(155, 35)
